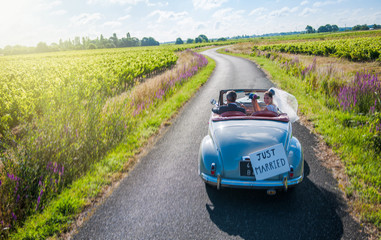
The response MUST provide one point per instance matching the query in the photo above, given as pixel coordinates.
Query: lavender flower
(361, 95)
(38, 202)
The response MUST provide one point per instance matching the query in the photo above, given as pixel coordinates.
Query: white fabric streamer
(286, 103)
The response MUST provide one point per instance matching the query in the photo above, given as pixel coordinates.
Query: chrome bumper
(264, 184)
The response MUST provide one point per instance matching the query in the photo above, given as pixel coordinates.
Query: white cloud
(307, 11)
(129, 2)
(257, 11)
(207, 4)
(121, 2)
(124, 17)
(157, 4)
(112, 24)
(283, 12)
(85, 18)
(228, 14)
(58, 13)
(325, 3)
(48, 5)
(168, 15)
(304, 3)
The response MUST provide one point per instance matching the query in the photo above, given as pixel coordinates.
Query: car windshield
(243, 97)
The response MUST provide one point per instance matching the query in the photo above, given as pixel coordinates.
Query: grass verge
(345, 133)
(60, 213)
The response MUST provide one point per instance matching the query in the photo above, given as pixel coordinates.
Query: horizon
(25, 23)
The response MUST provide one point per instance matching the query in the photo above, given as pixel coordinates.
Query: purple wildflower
(38, 202)
(360, 95)
(14, 216)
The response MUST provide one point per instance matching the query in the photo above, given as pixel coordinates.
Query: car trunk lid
(237, 139)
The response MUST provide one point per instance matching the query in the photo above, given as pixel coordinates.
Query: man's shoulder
(228, 107)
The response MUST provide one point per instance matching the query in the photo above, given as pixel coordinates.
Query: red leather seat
(265, 113)
(232, 114)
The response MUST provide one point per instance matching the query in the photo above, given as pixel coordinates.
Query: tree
(360, 27)
(114, 40)
(42, 47)
(322, 29)
(310, 29)
(335, 28)
(92, 46)
(221, 39)
(204, 38)
(198, 40)
(150, 41)
(190, 40)
(364, 27)
(328, 27)
(179, 41)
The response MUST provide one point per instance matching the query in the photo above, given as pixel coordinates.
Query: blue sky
(28, 22)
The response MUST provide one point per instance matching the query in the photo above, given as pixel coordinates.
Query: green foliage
(360, 27)
(375, 131)
(179, 41)
(310, 29)
(150, 41)
(356, 138)
(75, 129)
(60, 212)
(357, 49)
(30, 83)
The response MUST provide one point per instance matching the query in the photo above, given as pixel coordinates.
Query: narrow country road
(164, 198)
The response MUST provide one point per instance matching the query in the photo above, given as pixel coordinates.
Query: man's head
(231, 96)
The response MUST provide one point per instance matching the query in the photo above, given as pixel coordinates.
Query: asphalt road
(164, 198)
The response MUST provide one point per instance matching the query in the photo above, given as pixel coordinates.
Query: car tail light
(213, 169)
(291, 174)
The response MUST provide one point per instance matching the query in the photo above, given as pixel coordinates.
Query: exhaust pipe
(218, 182)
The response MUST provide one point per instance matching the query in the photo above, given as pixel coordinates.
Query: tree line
(335, 28)
(81, 44)
(200, 39)
(99, 43)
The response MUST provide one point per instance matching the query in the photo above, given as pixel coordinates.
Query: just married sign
(269, 162)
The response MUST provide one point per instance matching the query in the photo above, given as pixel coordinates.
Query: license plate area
(246, 169)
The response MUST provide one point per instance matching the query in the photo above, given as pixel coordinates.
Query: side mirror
(213, 102)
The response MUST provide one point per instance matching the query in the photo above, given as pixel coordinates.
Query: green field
(29, 82)
(62, 113)
(354, 49)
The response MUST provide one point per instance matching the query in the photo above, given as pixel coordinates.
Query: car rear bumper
(264, 184)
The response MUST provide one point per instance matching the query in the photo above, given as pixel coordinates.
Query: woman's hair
(270, 93)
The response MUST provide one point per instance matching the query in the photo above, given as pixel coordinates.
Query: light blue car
(255, 150)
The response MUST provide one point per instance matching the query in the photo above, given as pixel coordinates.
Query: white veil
(286, 103)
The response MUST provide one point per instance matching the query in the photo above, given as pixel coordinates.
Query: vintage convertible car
(254, 150)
